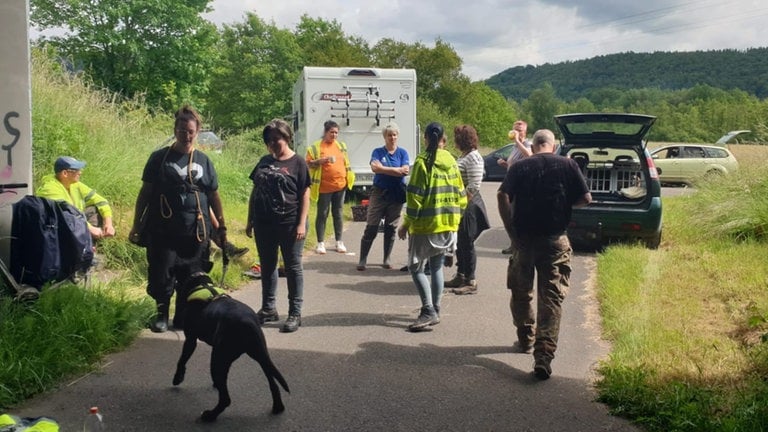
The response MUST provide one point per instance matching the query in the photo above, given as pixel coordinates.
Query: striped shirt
(471, 167)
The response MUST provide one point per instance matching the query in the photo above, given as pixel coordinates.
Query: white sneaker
(320, 248)
(340, 248)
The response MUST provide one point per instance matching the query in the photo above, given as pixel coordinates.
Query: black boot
(389, 243)
(365, 245)
(160, 324)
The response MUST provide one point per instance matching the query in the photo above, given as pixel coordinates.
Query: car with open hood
(611, 150)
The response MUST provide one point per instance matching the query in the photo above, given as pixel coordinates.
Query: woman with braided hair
(435, 199)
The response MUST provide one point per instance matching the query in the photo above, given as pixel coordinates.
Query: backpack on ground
(50, 241)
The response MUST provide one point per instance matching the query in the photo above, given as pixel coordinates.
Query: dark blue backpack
(50, 241)
(75, 242)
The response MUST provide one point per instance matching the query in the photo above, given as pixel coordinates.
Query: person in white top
(521, 151)
(474, 220)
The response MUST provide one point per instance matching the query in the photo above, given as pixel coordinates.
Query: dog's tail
(272, 371)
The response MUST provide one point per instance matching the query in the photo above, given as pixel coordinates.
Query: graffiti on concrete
(8, 148)
(7, 171)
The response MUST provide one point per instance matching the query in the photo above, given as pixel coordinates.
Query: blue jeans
(334, 200)
(270, 237)
(430, 294)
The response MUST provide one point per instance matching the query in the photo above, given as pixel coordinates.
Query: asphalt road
(353, 367)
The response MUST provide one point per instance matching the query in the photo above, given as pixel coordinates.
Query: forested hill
(725, 69)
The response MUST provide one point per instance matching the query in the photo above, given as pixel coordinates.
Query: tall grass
(689, 321)
(65, 332)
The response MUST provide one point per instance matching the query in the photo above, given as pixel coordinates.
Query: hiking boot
(291, 324)
(234, 251)
(160, 324)
(508, 251)
(320, 248)
(469, 287)
(340, 248)
(427, 317)
(456, 282)
(542, 369)
(267, 315)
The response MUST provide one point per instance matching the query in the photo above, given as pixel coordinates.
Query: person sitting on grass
(65, 185)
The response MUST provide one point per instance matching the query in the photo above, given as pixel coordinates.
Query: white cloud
(493, 35)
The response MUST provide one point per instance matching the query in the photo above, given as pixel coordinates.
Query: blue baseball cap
(67, 162)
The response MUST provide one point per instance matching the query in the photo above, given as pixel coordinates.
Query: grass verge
(689, 321)
(66, 332)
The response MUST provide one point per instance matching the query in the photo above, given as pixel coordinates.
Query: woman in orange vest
(331, 176)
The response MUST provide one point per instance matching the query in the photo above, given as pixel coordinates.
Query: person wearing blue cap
(65, 185)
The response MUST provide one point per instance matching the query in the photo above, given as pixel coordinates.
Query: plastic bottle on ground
(94, 422)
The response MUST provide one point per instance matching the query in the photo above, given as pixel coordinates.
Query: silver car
(687, 163)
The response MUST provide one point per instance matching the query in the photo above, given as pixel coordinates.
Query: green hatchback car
(626, 193)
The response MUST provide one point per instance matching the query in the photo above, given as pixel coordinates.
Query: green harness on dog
(206, 292)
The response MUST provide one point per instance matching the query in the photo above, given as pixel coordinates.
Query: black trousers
(167, 257)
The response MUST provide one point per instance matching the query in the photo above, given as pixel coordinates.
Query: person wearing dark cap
(435, 199)
(65, 185)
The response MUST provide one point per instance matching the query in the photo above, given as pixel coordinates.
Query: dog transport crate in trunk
(618, 181)
(610, 149)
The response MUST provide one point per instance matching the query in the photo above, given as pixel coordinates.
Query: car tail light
(631, 226)
(651, 167)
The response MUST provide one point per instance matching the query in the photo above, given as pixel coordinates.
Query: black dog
(231, 328)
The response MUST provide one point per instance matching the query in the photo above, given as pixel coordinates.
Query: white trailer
(362, 101)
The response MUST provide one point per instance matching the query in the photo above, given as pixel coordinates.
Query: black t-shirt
(296, 173)
(180, 191)
(543, 189)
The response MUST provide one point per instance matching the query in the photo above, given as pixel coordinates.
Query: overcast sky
(493, 35)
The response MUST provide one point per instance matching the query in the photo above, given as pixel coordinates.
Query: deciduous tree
(324, 43)
(159, 48)
(253, 81)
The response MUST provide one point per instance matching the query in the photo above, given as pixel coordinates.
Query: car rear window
(604, 128)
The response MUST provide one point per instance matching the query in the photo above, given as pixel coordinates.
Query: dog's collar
(205, 292)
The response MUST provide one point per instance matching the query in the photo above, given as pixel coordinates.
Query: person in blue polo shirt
(390, 164)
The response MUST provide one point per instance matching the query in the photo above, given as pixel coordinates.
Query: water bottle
(94, 421)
